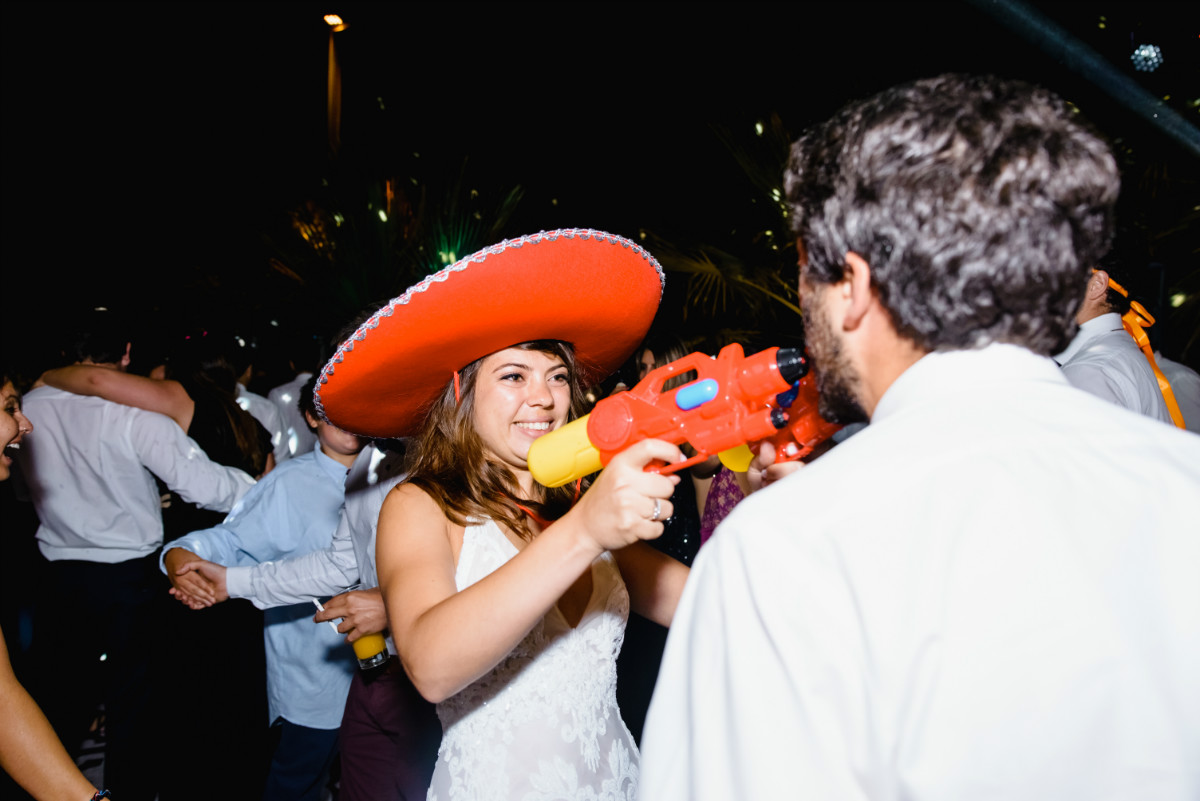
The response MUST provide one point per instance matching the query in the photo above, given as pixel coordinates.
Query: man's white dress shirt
(1185, 384)
(989, 593)
(88, 465)
(1104, 360)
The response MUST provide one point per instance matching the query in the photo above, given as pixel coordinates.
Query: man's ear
(857, 288)
(1097, 285)
(311, 420)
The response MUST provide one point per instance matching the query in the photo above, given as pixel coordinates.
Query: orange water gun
(734, 401)
(806, 428)
(1136, 321)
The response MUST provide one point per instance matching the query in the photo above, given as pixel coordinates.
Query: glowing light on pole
(333, 97)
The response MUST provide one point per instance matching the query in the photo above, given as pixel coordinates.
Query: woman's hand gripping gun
(734, 401)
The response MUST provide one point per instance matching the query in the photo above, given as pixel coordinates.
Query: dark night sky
(147, 147)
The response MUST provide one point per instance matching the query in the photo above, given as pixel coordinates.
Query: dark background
(152, 152)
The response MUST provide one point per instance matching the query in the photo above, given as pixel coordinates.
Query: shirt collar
(943, 373)
(1088, 331)
(334, 469)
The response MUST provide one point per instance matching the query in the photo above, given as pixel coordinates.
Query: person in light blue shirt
(294, 510)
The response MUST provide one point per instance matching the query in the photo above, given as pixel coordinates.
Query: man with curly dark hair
(990, 591)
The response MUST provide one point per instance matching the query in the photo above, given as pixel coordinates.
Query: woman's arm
(447, 638)
(29, 750)
(655, 581)
(128, 389)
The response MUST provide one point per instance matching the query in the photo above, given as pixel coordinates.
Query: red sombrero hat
(595, 290)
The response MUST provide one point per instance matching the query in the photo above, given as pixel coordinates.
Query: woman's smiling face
(13, 425)
(519, 396)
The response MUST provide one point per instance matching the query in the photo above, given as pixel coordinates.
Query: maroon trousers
(390, 737)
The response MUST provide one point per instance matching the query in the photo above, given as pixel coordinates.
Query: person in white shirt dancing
(88, 472)
(990, 591)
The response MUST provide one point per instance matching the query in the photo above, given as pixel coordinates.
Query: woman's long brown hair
(207, 375)
(450, 464)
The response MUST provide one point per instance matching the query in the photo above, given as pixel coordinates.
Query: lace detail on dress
(543, 724)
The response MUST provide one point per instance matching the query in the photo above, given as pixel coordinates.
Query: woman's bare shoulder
(408, 498)
(412, 507)
(413, 520)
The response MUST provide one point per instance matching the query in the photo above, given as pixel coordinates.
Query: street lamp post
(333, 94)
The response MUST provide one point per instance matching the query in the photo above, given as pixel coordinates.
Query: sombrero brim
(597, 291)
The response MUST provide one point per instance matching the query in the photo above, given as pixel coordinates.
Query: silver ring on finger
(657, 510)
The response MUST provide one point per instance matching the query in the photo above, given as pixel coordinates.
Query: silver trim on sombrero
(444, 274)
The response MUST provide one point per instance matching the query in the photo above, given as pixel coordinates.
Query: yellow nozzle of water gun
(564, 455)
(737, 458)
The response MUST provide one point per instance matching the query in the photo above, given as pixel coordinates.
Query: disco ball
(1147, 58)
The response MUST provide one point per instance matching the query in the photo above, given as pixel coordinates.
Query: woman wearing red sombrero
(510, 624)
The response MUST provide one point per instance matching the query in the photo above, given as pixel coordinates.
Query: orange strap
(1136, 321)
(541, 521)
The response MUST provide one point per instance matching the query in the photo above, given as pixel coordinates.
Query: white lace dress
(543, 724)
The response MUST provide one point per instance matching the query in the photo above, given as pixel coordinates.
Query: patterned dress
(542, 724)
